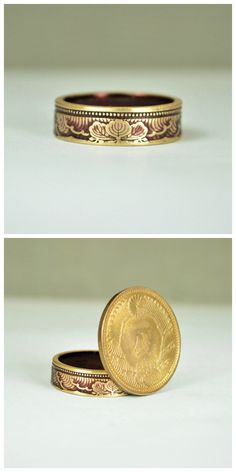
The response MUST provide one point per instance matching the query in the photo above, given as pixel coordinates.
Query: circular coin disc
(139, 340)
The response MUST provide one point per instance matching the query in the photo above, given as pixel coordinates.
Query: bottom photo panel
(118, 352)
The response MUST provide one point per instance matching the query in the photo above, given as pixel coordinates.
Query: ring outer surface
(82, 381)
(118, 125)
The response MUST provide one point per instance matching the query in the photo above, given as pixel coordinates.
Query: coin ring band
(82, 373)
(118, 119)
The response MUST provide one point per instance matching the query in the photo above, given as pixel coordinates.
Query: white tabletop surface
(52, 186)
(186, 424)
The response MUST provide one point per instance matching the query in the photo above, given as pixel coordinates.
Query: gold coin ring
(82, 373)
(118, 119)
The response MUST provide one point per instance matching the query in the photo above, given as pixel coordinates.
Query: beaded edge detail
(84, 383)
(117, 128)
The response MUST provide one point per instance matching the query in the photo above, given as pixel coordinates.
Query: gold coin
(139, 340)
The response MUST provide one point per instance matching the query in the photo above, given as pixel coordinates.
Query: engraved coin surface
(139, 340)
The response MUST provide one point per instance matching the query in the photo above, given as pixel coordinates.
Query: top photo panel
(118, 119)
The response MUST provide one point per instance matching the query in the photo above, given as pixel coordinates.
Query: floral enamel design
(117, 131)
(87, 385)
(105, 388)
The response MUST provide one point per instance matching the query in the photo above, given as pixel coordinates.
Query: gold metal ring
(123, 119)
(82, 373)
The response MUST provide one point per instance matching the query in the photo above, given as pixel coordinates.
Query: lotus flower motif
(139, 130)
(117, 131)
(99, 388)
(98, 131)
(105, 388)
(112, 388)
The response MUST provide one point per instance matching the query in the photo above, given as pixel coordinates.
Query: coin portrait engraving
(140, 340)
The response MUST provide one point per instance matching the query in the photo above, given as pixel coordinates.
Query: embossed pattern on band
(114, 126)
(83, 381)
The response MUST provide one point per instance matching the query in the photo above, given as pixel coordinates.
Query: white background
(186, 424)
(53, 186)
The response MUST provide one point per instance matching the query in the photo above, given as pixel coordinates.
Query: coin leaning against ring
(139, 340)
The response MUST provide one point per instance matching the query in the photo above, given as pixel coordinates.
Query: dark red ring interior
(84, 359)
(118, 100)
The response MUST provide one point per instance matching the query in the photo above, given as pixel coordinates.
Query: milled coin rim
(62, 102)
(101, 342)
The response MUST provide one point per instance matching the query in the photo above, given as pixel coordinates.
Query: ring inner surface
(118, 100)
(83, 359)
